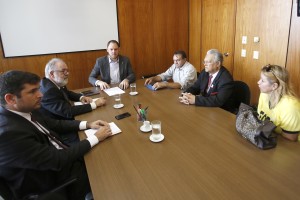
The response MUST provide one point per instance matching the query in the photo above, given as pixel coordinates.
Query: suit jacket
(102, 69)
(56, 105)
(219, 95)
(28, 161)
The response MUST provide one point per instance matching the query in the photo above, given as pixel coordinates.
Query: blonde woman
(278, 102)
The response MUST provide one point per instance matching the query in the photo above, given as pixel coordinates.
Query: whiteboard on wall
(35, 27)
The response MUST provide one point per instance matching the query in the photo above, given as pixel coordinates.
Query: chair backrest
(241, 94)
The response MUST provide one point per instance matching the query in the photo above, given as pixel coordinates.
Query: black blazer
(55, 104)
(219, 95)
(29, 163)
(102, 69)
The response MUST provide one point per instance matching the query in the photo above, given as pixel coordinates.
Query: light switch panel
(255, 55)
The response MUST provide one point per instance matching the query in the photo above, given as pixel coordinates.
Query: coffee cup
(146, 125)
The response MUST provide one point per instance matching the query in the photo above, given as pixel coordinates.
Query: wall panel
(136, 34)
(195, 33)
(218, 28)
(293, 60)
(270, 20)
(212, 26)
(170, 31)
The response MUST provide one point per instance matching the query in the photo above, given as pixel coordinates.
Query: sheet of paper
(114, 129)
(113, 91)
(80, 103)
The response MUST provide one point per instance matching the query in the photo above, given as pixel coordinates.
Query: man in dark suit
(214, 85)
(56, 97)
(56, 101)
(112, 69)
(33, 159)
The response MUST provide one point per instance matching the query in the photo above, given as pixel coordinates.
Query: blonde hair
(279, 75)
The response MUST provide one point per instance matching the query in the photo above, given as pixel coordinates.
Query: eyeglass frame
(208, 63)
(64, 71)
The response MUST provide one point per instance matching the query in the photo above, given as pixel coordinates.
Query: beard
(61, 82)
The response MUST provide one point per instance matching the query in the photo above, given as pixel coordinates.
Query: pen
(136, 111)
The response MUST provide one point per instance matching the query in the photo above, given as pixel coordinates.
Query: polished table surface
(201, 157)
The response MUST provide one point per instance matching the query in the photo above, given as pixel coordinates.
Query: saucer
(157, 140)
(143, 129)
(133, 93)
(119, 106)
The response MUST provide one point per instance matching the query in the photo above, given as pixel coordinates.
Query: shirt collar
(111, 61)
(214, 75)
(25, 115)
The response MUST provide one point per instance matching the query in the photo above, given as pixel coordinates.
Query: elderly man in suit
(56, 96)
(214, 86)
(56, 101)
(112, 69)
(33, 159)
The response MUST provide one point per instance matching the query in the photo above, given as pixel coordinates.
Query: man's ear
(10, 99)
(51, 74)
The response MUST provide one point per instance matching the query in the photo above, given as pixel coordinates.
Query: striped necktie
(48, 133)
(209, 83)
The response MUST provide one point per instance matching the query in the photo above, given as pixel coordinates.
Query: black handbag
(260, 133)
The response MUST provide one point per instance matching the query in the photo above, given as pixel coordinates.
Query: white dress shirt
(185, 75)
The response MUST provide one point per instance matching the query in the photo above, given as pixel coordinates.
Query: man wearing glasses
(181, 72)
(214, 85)
(56, 101)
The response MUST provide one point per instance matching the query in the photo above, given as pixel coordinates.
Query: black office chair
(241, 93)
(7, 194)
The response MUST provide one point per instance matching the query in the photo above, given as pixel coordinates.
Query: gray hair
(51, 66)
(217, 55)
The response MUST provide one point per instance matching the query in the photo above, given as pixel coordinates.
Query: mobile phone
(150, 87)
(121, 116)
(89, 92)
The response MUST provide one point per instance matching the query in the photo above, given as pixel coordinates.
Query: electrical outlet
(243, 54)
(255, 55)
(244, 40)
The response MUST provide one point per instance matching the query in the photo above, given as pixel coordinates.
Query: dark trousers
(78, 189)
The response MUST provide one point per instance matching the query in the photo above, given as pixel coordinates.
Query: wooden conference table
(201, 157)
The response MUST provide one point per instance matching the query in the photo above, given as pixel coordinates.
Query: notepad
(114, 129)
(80, 103)
(113, 91)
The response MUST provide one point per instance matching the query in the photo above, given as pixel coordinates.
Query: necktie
(48, 133)
(209, 83)
(62, 89)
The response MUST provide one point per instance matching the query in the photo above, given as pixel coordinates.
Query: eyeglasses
(270, 68)
(207, 63)
(64, 71)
